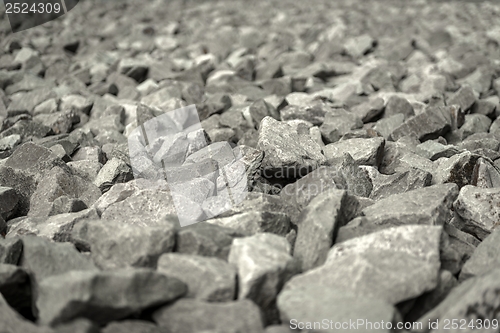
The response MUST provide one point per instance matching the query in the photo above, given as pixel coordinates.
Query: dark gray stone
(430, 124)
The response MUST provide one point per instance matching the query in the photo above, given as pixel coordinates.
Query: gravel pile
(367, 141)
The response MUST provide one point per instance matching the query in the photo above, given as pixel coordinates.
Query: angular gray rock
(94, 294)
(284, 148)
(114, 244)
(207, 279)
(457, 169)
(479, 208)
(398, 105)
(464, 98)
(114, 171)
(394, 264)
(23, 170)
(57, 183)
(227, 317)
(332, 307)
(399, 182)
(318, 225)
(44, 259)
(264, 264)
(337, 123)
(145, 207)
(430, 124)
(363, 151)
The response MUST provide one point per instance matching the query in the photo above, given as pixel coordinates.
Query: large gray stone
(193, 316)
(104, 296)
(319, 309)
(207, 279)
(394, 264)
(430, 124)
(115, 244)
(337, 123)
(363, 151)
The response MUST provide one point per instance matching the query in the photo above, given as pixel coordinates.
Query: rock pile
(364, 135)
